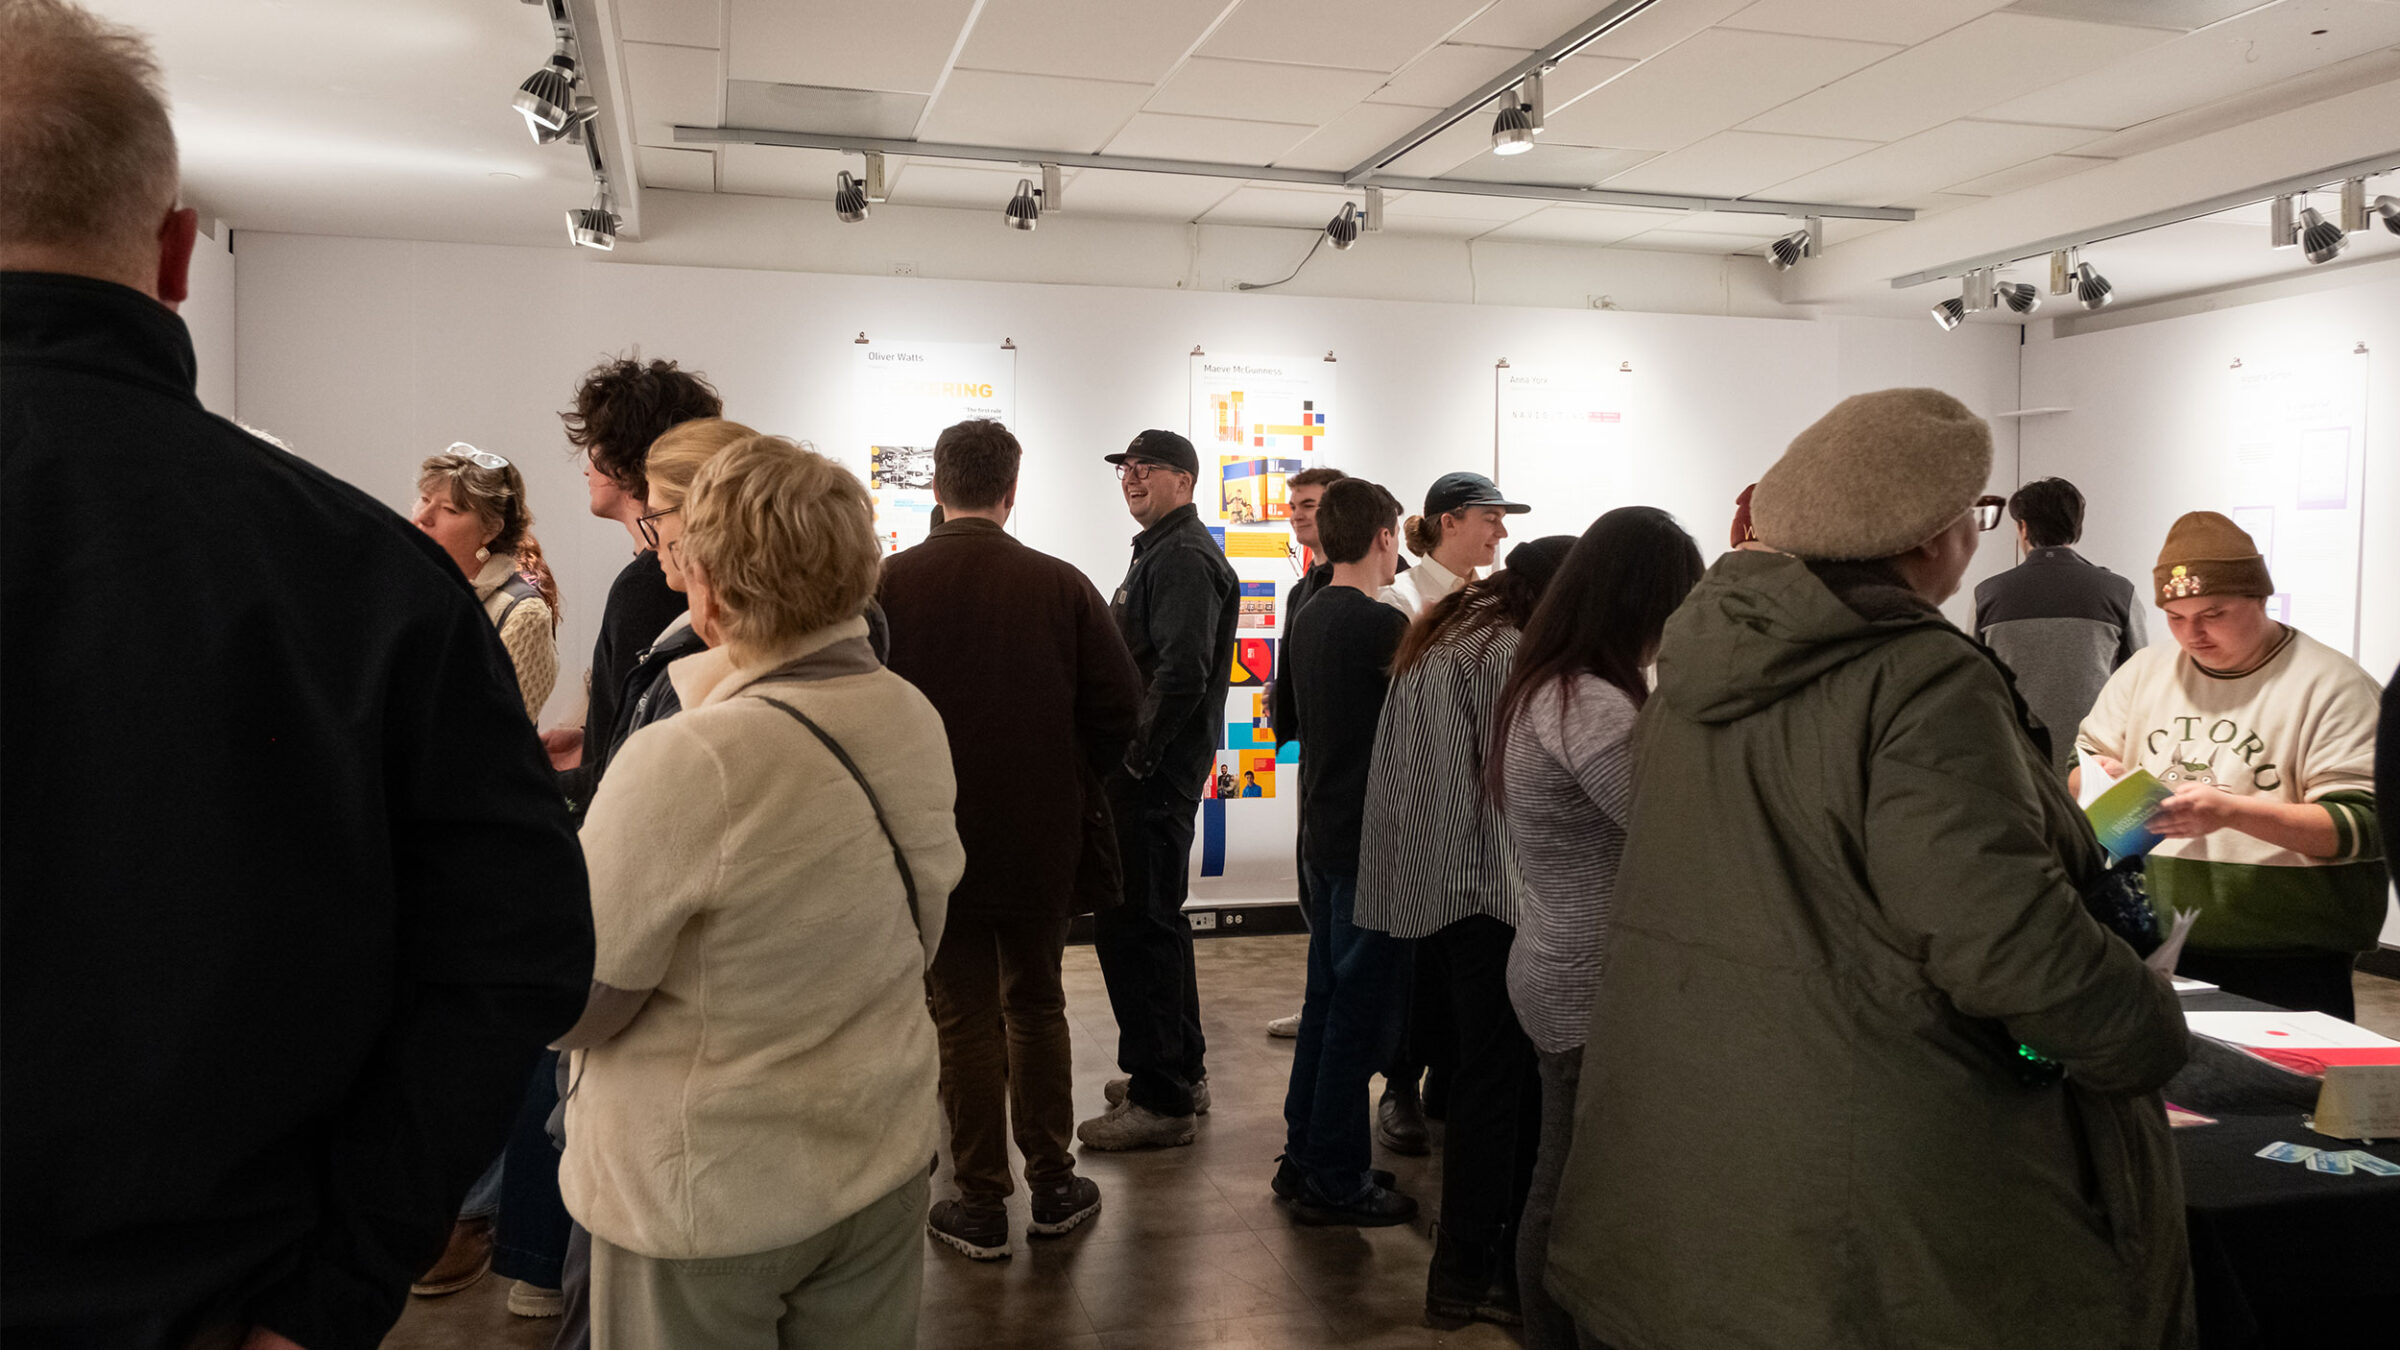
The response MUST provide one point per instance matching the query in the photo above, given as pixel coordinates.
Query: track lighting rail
(1657, 201)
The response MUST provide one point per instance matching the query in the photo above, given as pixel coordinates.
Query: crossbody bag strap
(908, 878)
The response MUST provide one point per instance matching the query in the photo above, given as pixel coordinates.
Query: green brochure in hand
(2121, 816)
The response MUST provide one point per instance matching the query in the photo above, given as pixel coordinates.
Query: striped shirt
(1432, 849)
(1570, 787)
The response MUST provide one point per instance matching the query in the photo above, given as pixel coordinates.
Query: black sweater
(288, 899)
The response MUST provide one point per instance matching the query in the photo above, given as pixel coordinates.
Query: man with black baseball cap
(1177, 610)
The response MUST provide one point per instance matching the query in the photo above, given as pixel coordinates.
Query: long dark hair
(1604, 613)
(1507, 598)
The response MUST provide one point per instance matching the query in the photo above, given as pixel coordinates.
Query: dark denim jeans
(1145, 946)
(530, 1241)
(1357, 984)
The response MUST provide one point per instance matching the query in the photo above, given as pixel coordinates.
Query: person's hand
(565, 745)
(2109, 766)
(2196, 809)
(262, 1339)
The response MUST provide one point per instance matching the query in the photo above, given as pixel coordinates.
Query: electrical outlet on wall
(904, 269)
(1233, 919)
(1203, 921)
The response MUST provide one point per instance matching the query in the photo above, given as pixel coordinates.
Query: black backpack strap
(519, 588)
(908, 878)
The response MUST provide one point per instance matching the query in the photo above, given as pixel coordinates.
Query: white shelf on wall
(2033, 412)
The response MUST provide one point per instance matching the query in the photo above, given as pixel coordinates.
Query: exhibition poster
(1256, 421)
(1559, 444)
(2295, 469)
(901, 396)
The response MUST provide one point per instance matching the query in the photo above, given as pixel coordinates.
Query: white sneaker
(531, 1300)
(1285, 1028)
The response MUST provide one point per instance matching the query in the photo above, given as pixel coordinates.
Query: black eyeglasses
(1987, 512)
(647, 525)
(1137, 470)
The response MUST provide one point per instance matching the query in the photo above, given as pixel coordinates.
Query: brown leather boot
(464, 1261)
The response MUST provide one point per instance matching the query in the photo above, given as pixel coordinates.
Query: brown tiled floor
(1190, 1250)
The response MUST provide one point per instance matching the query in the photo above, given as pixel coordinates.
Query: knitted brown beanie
(2206, 554)
(1878, 475)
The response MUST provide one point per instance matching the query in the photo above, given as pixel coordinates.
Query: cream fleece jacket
(781, 1076)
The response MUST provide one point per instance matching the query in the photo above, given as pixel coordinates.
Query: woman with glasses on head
(472, 503)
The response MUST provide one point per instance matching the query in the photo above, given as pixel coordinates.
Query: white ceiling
(390, 117)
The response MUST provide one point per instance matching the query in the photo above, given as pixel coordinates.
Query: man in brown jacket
(1017, 651)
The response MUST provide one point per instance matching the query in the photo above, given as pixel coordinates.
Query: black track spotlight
(578, 123)
(547, 98)
(849, 199)
(1787, 252)
(594, 226)
(2092, 290)
(2387, 209)
(1024, 209)
(1950, 313)
(2021, 297)
(1342, 230)
(2321, 239)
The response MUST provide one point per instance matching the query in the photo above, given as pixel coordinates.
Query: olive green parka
(1850, 892)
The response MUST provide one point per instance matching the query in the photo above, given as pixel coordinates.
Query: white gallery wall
(2145, 417)
(367, 355)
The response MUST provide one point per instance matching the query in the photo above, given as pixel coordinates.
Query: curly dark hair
(624, 404)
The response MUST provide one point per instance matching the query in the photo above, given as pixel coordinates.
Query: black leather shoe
(1400, 1122)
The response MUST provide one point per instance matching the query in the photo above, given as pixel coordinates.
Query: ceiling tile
(1144, 196)
(1927, 161)
(2235, 57)
(1550, 165)
(1582, 224)
(1455, 206)
(1448, 73)
(1262, 91)
(2031, 173)
(669, 86)
(682, 22)
(1579, 75)
(845, 44)
(1736, 163)
(1379, 35)
(927, 184)
(2342, 77)
(839, 112)
(1703, 86)
(1661, 26)
(1691, 241)
(687, 23)
(677, 170)
(1840, 230)
(1298, 207)
(1446, 150)
(1351, 137)
(1033, 112)
(1996, 58)
(1121, 39)
(1214, 140)
(1903, 21)
(1529, 24)
(781, 171)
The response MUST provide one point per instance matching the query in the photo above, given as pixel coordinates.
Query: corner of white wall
(208, 311)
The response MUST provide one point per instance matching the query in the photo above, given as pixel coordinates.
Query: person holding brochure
(2266, 738)
(1851, 890)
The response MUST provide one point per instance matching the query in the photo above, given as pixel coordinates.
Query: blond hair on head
(677, 457)
(785, 538)
(87, 153)
(497, 498)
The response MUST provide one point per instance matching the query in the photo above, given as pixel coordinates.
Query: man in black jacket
(1177, 610)
(291, 901)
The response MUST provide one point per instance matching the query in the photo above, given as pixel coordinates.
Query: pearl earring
(482, 554)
